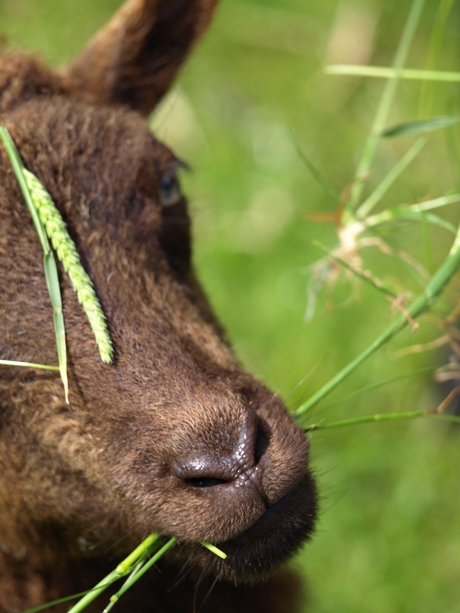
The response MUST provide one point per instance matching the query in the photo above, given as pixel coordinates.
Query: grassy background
(389, 535)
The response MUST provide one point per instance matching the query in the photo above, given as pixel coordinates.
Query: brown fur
(174, 437)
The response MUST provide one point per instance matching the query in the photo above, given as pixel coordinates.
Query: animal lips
(270, 540)
(276, 535)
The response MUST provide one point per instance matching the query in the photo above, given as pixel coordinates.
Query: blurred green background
(388, 537)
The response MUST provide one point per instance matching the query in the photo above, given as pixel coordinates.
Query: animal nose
(206, 468)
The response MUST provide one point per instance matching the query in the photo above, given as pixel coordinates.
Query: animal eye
(170, 189)
(174, 234)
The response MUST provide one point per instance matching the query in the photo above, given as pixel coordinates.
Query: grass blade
(51, 275)
(18, 166)
(419, 127)
(386, 101)
(52, 282)
(124, 568)
(425, 219)
(134, 556)
(95, 592)
(400, 212)
(383, 417)
(391, 177)
(434, 53)
(114, 598)
(213, 549)
(423, 302)
(68, 255)
(377, 385)
(428, 205)
(54, 603)
(48, 222)
(455, 247)
(132, 580)
(136, 573)
(27, 365)
(381, 72)
(360, 274)
(315, 173)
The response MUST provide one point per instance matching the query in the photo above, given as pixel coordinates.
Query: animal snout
(206, 467)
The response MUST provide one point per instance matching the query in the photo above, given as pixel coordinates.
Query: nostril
(203, 472)
(206, 469)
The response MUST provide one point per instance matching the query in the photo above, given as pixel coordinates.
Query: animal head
(174, 436)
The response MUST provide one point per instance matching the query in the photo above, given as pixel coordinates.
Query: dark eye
(170, 189)
(174, 234)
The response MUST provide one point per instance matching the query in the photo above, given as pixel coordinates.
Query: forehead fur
(102, 155)
(23, 78)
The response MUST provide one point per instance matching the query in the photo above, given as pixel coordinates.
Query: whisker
(208, 594)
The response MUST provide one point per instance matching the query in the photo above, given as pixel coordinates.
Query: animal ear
(134, 59)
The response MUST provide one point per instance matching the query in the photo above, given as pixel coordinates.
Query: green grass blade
(314, 172)
(133, 565)
(68, 255)
(391, 177)
(400, 212)
(134, 556)
(436, 203)
(425, 219)
(138, 553)
(423, 302)
(114, 598)
(122, 570)
(18, 167)
(28, 365)
(455, 247)
(54, 603)
(451, 142)
(419, 127)
(95, 592)
(213, 549)
(132, 580)
(415, 268)
(383, 417)
(52, 280)
(376, 385)
(389, 73)
(386, 102)
(373, 282)
(428, 205)
(434, 53)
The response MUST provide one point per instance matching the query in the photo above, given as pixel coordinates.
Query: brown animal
(174, 436)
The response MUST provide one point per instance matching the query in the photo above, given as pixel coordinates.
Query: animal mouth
(299, 503)
(271, 540)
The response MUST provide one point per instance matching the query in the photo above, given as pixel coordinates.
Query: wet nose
(207, 469)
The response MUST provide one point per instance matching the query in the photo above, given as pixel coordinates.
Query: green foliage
(419, 127)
